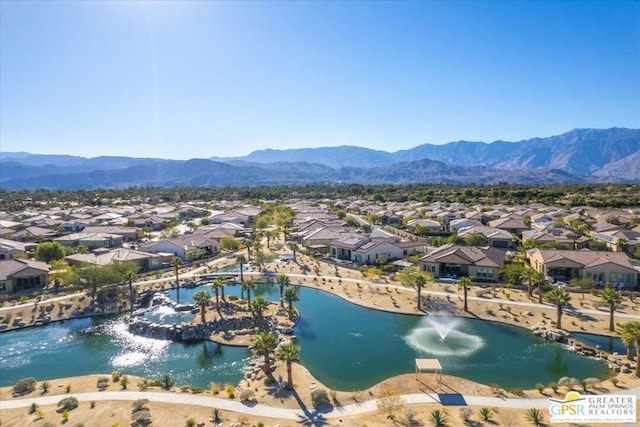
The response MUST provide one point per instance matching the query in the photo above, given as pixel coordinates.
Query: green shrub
(102, 383)
(68, 403)
(190, 422)
(24, 386)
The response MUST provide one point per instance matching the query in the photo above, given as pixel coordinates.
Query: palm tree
(259, 305)
(282, 280)
(539, 280)
(560, 298)
(129, 277)
(202, 301)
(611, 297)
(528, 276)
(294, 247)
(263, 345)
(534, 415)
(285, 231)
(248, 286)
(256, 245)
(288, 352)
(626, 333)
(216, 286)
(465, 284)
(419, 280)
(176, 262)
(291, 295)
(240, 259)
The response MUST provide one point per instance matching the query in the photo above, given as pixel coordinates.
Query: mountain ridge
(582, 155)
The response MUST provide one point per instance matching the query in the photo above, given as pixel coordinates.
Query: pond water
(603, 342)
(345, 346)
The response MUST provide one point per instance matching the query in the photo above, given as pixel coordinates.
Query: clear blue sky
(189, 79)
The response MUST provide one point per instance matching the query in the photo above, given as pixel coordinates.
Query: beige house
(601, 267)
(454, 261)
(20, 274)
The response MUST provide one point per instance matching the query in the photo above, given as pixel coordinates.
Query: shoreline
(376, 296)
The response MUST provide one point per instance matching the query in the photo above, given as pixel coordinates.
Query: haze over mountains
(581, 155)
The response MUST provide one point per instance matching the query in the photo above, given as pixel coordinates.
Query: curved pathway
(262, 410)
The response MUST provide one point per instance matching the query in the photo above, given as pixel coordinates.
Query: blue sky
(191, 79)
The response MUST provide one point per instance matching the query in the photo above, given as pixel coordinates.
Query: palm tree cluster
(630, 335)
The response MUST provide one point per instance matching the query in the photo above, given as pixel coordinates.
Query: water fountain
(438, 335)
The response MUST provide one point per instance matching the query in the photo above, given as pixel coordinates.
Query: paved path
(262, 410)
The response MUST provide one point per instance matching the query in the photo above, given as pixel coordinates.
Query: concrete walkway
(266, 411)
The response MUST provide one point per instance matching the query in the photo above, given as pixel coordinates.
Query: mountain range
(578, 156)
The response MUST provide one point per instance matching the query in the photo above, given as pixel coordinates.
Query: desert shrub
(24, 386)
(115, 376)
(139, 404)
(124, 382)
(102, 383)
(232, 298)
(214, 388)
(466, 413)
(141, 417)
(68, 403)
(248, 396)
(228, 388)
(190, 422)
(320, 398)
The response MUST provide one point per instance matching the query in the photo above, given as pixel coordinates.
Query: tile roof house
(33, 234)
(600, 266)
(129, 234)
(514, 224)
(91, 240)
(11, 248)
(496, 237)
(182, 246)
(20, 274)
(145, 260)
(453, 260)
(619, 240)
(556, 235)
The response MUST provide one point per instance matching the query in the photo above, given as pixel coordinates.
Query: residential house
(512, 223)
(600, 266)
(343, 247)
(10, 248)
(146, 261)
(34, 234)
(555, 235)
(455, 261)
(496, 238)
(427, 224)
(457, 224)
(185, 247)
(21, 274)
(619, 240)
(91, 240)
(129, 234)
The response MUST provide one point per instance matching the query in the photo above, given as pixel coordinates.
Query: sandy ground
(349, 284)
